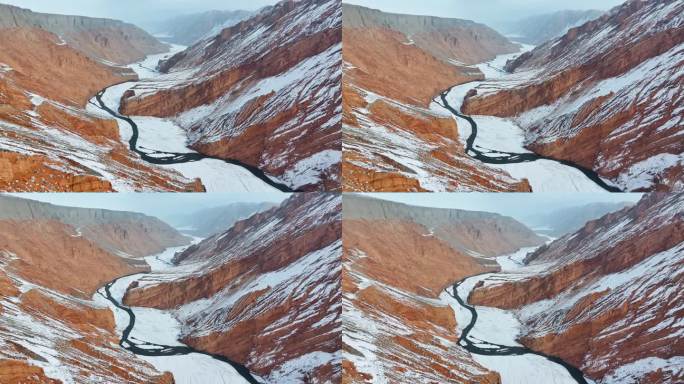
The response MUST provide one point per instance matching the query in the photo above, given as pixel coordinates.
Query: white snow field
(503, 327)
(165, 135)
(500, 134)
(161, 327)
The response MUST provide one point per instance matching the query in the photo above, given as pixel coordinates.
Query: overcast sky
(136, 11)
(491, 12)
(161, 205)
(517, 205)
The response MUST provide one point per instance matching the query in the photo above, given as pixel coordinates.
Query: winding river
(189, 365)
(482, 347)
(502, 157)
(166, 158)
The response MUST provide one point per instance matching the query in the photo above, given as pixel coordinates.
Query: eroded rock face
(394, 268)
(265, 293)
(394, 66)
(265, 91)
(104, 39)
(606, 95)
(610, 299)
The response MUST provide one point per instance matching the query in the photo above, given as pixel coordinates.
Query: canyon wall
(265, 293)
(607, 300)
(124, 233)
(101, 39)
(606, 95)
(51, 328)
(265, 91)
(394, 66)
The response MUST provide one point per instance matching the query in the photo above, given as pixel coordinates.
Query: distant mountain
(100, 39)
(558, 223)
(188, 29)
(540, 28)
(207, 222)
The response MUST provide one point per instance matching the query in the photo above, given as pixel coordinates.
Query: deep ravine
(166, 158)
(493, 349)
(216, 369)
(491, 156)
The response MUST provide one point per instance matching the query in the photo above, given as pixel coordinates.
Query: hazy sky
(161, 205)
(517, 205)
(492, 12)
(135, 11)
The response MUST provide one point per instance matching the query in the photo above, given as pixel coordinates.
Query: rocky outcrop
(264, 293)
(395, 267)
(101, 39)
(270, 101)
(539, 29)
(189, 29)
(595, 95)
(126, 233)
(608, 299)
(394, 67)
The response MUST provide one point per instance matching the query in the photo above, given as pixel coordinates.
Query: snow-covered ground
(159, 134)
(500, 134)
(503, 327)
(161, 327)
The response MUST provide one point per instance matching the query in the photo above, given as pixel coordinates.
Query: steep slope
(265, 293)
(563, 221)
(50, 329)
(265, 92)
(207, 222)
(539, 29)
(397, 261)
(607, 96)
(394, 65)
(189, 29)
(608, 297)
(123, 233)
(48, 142)
(101, 39)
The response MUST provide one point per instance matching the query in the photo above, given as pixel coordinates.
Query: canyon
(605, 298)
(52, 261)
(93, 294)
(264, 293)
(264, 92)
(394, 65)
(614, 111)
(75, 118)
(397, 261)
(600, 304)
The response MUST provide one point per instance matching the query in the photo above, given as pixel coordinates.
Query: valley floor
(165, 135)
(497, 134)
(160, 328)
